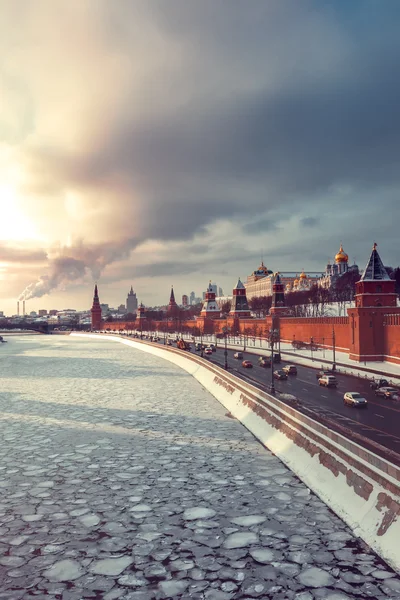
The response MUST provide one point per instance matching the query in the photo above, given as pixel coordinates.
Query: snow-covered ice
(121, 477)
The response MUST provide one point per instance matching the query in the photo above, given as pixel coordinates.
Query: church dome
(341, 256)
(303, 275)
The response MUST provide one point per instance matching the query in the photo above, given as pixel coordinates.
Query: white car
(208, 351)
(328, 381)
(355, 399)
(238, 355)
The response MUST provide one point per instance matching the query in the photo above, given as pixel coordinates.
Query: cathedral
(334, 270)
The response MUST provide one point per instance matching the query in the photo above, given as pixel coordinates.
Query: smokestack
(23, 308)
(18, 308)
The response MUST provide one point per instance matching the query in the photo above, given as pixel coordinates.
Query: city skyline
(174, 146)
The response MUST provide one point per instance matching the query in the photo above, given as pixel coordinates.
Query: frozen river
(121, 477)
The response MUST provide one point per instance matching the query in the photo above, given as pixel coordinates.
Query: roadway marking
(304, 390)
(380, 416)
(322, 396)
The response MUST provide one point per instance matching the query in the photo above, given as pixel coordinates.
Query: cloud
(15, 254)
(135, 121)
(309, 221)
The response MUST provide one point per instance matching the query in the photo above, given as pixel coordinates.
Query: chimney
(18, 308)
(23, 308)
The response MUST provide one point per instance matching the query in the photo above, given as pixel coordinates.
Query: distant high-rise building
(121, 309)
(42, 312)
(32, 314)
(220, 291)
(185, 300)
(131, 302)
(53, 312)
(105, 309)
(192, 298)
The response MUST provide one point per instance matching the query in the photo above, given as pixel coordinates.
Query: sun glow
(14, 225)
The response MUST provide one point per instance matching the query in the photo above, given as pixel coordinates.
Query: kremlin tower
(210, 308)
(240, 307)
(96, 311)
(375, 298)
(172, 306)
(278, 297)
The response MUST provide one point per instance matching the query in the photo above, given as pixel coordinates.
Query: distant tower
(96, 311)
(375, 299)
(210, 307)
(131, 302)
(172, 306)
(240, 307)
(278, 297)
(185, 300)
(140, 312)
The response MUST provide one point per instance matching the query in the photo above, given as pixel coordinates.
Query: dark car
(247, 364)
(264, 362)
(379, 383)
(277, 358)
(280, 375)
(355, 399)
(290, 369)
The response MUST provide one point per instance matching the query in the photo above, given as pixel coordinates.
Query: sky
(172, 143)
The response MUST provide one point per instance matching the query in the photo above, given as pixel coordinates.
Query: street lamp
(334, 349)
(225, 330)
(273, 337)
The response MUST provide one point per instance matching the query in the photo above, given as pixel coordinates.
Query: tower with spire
(210, 308)
(278, 297)
(240, 307)
(172, 306)
(375, 298)
(95, 311)
(131, 301)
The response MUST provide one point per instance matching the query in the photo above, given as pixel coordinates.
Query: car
(169, 343)
(328, 381)
(280, 374)
(207, 351)
(387, 392)
(264, 362)
(355, 399)
(323, 373)
(247, 364)
(290, 369)
(213, 348)
(277, 358)
(238, 355)
(379, 383)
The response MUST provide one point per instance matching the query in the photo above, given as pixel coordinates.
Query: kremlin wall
(370, 332)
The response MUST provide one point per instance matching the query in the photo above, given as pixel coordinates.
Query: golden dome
(303, 275)
(341, 256)
(295, 282)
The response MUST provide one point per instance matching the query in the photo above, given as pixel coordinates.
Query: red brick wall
(391, 333)
(319, 328)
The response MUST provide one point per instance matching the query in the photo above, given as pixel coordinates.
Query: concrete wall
(362, 488)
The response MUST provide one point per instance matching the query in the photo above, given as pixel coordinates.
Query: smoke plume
(76, 264)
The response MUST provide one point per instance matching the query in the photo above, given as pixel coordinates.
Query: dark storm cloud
(310, 221)
(254, 114)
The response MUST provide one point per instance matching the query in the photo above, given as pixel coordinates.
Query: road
(380, 422)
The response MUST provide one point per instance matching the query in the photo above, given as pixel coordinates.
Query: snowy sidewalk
(121, 477)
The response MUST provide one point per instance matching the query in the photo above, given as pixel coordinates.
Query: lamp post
(334, 349)
(273, 337)
(225, 330)
(312, 347)
(201, 343)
